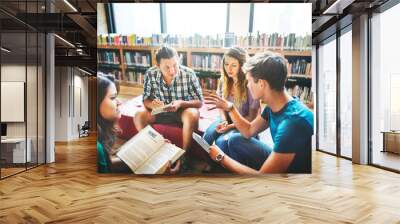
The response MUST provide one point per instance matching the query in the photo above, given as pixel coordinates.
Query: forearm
(236, 167)
(241, 124)
(147, 103)
(191, 103)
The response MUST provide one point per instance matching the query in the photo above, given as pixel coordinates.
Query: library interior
(340, 57)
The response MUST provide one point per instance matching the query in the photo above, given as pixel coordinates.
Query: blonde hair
(240, 89)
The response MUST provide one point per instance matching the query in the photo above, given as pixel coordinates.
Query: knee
(142, 116)
(236, 140)
(191, 115)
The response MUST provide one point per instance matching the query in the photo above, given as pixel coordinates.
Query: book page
(158, 161)
(141, 147)
(159, 110)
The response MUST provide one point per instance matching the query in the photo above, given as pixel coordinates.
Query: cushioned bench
(169, 131)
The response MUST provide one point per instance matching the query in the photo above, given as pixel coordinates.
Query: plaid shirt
(185, 86)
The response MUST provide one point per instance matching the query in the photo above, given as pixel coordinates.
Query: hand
(167, 141)
(173, 168)
(156, 103)
(175, 105)
(216, 101)
(214, 151)
(222, 127)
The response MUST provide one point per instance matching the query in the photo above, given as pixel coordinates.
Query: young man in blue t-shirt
(290, 122)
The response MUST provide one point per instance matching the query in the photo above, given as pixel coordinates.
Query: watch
(219, 157)
(230, 106)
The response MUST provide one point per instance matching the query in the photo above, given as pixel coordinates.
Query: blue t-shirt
(291, 130)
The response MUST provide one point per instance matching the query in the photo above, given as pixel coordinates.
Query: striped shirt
(185, 86)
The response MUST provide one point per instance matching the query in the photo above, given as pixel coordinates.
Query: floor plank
(70, 191)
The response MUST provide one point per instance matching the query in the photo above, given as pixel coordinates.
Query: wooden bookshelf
(206, 74)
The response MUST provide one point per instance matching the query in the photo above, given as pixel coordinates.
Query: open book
(148, 153)
(160, 109)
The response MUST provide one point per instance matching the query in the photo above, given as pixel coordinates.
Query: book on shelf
(208, 83)
(300, 67)
(273, 41)
(208, 62)
(137, 58)
(148, 153)
(304, 93)
(108, 57)
(135, 77)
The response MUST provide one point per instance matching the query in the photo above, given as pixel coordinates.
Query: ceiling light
(70, 5)
(5, 50)
(86, 72)
(64, 40)
(338, 6)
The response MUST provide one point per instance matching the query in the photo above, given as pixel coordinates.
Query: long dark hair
(105, 129)
(240, 88)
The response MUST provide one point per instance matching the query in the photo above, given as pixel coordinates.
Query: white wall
(71, 94)
(34, 124)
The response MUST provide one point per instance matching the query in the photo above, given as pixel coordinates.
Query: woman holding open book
(108, 115)
(232, 87)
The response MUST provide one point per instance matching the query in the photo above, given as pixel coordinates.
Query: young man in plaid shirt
(171, 83)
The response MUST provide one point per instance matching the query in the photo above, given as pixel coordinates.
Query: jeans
(250, 152)
(211, 135)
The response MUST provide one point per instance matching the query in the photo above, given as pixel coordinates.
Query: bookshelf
(138, 54)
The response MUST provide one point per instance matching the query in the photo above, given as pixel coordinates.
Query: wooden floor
(70, 191)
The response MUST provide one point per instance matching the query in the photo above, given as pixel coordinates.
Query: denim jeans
(211, 135)
(250, 152)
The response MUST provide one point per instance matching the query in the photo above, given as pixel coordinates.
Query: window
(190, 18)
(239, 15)
(143, 19)
(385, 86)
(346, 94)
(297, 18)
(327, 96)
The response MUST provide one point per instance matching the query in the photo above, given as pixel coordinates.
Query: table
(13, 150)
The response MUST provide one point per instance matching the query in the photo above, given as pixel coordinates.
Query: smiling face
(231, 67)
(109, 107)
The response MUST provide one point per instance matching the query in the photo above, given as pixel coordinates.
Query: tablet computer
(201, 142)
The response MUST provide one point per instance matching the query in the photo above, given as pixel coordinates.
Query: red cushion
(128, 129)
(171, 132)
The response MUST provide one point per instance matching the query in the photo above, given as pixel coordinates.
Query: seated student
(108, 115)
(232, 87)
(290, 122)
(171, 83)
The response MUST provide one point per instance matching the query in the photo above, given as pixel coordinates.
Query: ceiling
(76, 23)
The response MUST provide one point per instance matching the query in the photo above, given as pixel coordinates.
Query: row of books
(108, 57)
(304, 93)
(137, 58)
(209, 62)
(134, 77)
(208, 83)
(273, 41)
(300, 67)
